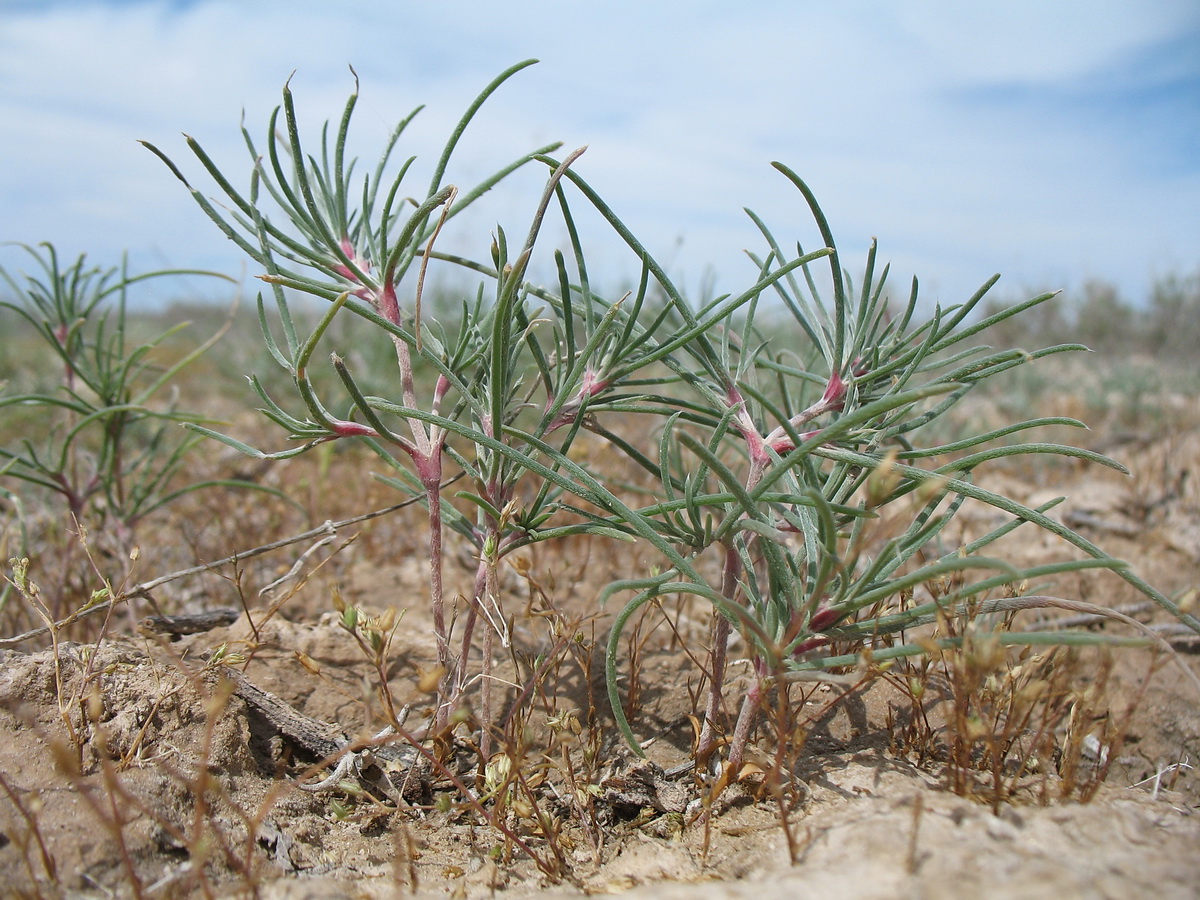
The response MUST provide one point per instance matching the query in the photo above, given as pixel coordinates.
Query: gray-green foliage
(785, 423)
(801, 440)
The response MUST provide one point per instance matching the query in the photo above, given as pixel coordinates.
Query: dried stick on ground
(405, 775)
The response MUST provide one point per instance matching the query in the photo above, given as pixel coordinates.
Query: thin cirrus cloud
(1053, 143)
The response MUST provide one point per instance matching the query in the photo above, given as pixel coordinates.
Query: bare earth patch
(137, 757)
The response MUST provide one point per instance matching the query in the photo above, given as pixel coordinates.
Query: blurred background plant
(90, 418)
(1164, 327)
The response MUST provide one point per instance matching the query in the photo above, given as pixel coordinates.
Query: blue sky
(1050, 142)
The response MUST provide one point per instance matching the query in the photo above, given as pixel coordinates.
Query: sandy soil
(130, 760)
